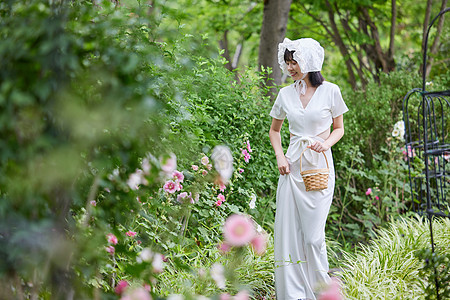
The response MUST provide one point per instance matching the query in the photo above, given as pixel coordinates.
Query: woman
(311, 105)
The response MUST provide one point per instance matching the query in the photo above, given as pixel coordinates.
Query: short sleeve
(338, 106)
(277, 111)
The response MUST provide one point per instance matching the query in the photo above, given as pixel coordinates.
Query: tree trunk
(392, 33)
(426, 23)
(223, 43)
(273, 31)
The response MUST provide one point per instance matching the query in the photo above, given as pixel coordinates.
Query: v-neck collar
(300, 101)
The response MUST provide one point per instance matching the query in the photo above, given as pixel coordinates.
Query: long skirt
(301, 263)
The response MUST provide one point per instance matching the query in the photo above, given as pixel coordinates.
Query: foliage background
(86, 90)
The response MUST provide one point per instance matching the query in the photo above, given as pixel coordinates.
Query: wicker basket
(315, 179)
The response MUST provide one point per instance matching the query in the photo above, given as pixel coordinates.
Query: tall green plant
(80, 88)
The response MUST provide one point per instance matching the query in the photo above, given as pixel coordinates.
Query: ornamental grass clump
(388, 267)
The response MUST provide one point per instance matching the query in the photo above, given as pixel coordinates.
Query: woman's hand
(283, 165)
(319, 146)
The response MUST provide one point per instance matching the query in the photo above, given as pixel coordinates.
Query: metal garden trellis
(426, 116)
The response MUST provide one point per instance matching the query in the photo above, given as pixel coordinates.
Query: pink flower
(112, 239)
(121, 287)
(241, 171)
(238, 230)
(178, 176)
(130, 233)
(93, 203)
(205, 160)
(377, 198)
(222, 187)
(333, 292)
(259, 244)
(110, 249)
(194, 167)
(137, 294)
(221, 197)
(368, 192)
(225, 296)
(170, 187)
(209, 166)
(223, 248)
(248, 147)
(182, 196)
(242, 295)
(247, 156)
(204, 172)
(169, 164)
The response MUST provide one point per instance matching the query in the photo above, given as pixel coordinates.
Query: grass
(245, 271)
(388, 268)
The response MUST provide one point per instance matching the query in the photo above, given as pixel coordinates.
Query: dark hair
(315, 78)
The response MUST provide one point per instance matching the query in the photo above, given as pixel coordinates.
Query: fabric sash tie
(296, 146)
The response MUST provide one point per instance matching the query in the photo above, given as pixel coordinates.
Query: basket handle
(323, 152)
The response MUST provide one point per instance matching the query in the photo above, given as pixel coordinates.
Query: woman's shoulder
(330, 85)
(286, 89)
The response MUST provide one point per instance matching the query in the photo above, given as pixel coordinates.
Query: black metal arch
(426, 117)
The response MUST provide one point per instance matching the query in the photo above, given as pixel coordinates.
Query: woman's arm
(335, 136)
(275, 140)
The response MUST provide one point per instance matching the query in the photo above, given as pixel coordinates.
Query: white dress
(301, 262)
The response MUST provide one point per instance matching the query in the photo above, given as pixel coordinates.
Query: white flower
(157, 263)
(223, 161)
(136, 179)
(395, 132)
(216, 272)
(146, 166)
(259, 229)
(447, 156)
(175, 297)
(400, 125)
(252, 203)
(201, 272)
(145, 255)
(169, 164)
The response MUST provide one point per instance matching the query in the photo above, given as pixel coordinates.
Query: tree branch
(318, 20)
(376, 38)
(341, 45)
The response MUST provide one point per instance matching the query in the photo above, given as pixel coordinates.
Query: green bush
(80, 88)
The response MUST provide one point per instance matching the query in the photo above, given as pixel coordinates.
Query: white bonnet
(308, 54)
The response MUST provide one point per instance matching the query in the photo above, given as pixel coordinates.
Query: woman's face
(294, 69)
